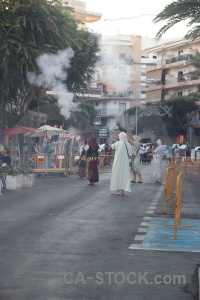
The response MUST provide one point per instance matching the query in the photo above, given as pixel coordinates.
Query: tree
(194, 61)
(29, 28)
(177, 124)
(84, 116)
(173, 125)
(177, 11)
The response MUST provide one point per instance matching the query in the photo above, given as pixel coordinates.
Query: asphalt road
(63, 240)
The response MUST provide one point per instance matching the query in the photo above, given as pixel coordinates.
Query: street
(63, 239)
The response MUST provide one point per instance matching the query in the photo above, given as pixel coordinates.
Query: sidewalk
(159, 228)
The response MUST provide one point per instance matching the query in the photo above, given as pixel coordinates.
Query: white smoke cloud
(118, 71)
(53, 73)
(127, 121)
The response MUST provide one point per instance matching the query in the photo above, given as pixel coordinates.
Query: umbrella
(18, 130)
(46, 130)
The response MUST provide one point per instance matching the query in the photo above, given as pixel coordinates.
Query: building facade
(170, 76)
(81, 12)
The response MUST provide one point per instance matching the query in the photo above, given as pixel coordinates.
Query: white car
(142, 150)
(101, 148)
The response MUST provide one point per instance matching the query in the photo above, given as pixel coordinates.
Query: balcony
(178, 58)
(173, 83)
(109, 112)
(171, 62)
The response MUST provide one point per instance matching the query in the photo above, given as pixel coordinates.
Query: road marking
(139, 237)
(152, 207)
(150, 212)
(144, 224)
(160, 237)
(142, 230)
(147, 218)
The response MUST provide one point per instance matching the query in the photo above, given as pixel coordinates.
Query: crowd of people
(127, 161)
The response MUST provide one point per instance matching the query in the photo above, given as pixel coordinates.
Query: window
(180, 94)
(180, 52)
(122, 71)
(122, 108)
(122, 55)
(103, 122)
(180, 76)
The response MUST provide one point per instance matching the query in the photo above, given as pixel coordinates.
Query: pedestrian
(176, 152)
(134, 140)
(92, 172)
(157, 160)
(120, 176)
(82, 162)
(5, 156)
(187, 150)
(169, 153)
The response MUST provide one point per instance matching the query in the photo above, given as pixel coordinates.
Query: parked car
(146, 145)
(101, 148)
(142, 150)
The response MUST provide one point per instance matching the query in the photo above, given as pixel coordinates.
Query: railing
(173, 169)
(169, 187)
(49, 163)
(192, 166)
(178, 58)
(177, 216)
(174, 59)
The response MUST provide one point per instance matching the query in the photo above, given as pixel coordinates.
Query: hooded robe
(120, 177)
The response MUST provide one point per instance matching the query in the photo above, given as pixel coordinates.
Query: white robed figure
(120, 177)
(157, 161)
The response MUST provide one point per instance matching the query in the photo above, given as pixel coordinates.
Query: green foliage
(177, 11)
(131, 111)
(166, 125)
(13, 170)
(83, 117)
(29, 28)
(194, 61)
(177, 124)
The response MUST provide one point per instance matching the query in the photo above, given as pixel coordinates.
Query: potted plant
(28, 176)
(13, 178)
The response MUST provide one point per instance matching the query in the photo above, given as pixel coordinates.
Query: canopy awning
(154, 95)
(154, 75)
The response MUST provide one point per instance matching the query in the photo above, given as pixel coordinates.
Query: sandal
(117, 193)
(133, 181)
(140, 181)
(157, 181)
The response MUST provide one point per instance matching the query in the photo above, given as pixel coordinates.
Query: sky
(142, 13)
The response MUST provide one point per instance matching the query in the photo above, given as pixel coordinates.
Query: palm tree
(195, 62)
(177, 11)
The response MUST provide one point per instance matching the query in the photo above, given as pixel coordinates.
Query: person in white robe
(120, 176)
(134, 140)
(157, 161)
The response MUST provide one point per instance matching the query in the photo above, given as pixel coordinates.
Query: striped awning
(154, 75)
(154, 95)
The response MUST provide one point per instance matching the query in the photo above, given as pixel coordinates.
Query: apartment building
(171, 75)
(81, 11)
(119, 81)
(116, 83)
